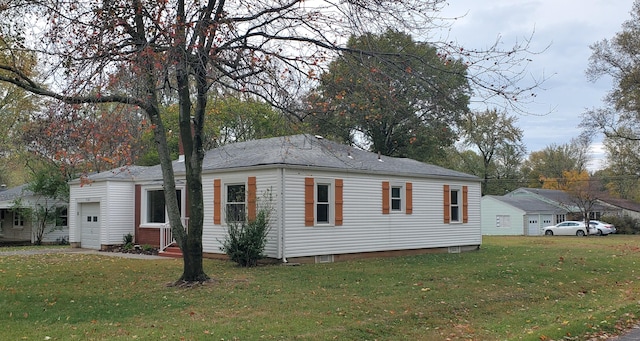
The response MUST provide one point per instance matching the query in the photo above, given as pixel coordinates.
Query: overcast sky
(568, 27)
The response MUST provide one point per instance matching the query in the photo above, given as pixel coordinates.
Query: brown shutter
(465, 204)
(217, 195)
(409, 194)
(447, 205)
(308, 202)
(385, 197)
(338, 209)
(251, 198)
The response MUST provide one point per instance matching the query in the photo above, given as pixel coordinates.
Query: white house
(17, 227)
(329, 201)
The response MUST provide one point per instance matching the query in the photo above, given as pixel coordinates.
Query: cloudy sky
(567, 27)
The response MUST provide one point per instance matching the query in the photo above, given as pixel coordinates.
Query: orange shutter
(385, 197)
(308, 202)
(251, 198)
(465, 204)
(409, 194)
(447, 205)
(217, 195)
(338, 185)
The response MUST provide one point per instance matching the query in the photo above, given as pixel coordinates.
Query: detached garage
(514, 215)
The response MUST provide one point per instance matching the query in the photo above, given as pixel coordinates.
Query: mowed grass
(514, 288)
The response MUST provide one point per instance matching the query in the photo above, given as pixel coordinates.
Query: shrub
(246, 240)
(624, 224)
(127, 241)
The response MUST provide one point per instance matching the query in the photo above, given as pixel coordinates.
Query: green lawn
(514, 288)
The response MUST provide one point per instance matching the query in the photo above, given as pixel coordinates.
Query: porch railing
(166, 238)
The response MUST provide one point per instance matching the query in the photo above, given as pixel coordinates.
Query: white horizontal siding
(366, 229)
(118, 213)
(491, 208)
(93, 192)
(213, 235)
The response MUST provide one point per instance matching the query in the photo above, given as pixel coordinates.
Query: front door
(90, 225)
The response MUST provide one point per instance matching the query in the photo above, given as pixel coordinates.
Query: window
(18, 220)
(156, 206)
(560, 218)
(322, 203)
(62, 219)
(455, 207)
(503, 221)
(236, 203)
(396, 199)
(594, 215)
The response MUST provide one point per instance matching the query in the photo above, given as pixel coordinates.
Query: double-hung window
(323, 202)
(18, 220)
(323, 208)
(456, 204)
(396, 198)
(236, 202)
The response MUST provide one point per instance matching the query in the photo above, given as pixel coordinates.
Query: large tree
(181, 50)
(495, 135)
(408, 104)
(554, 160)
(619, 59)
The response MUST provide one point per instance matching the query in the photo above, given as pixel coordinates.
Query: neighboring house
(330, 201)
(516, 215)
(621, 207)
(526, 211)
(15, 226)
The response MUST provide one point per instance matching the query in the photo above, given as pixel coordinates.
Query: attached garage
(89, 222)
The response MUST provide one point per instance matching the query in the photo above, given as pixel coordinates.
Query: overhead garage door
(533, 225)
(90, 225)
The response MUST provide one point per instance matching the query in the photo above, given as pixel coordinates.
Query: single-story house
(329, 201)
(526, 211)
(16, 226)
(621, 207)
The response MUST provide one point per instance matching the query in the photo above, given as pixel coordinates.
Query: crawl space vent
(324, 259)
(454, 249)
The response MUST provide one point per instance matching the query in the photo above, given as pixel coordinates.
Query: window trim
(144, 202)
(462, 204)
(329, 203)
(335, 201)
(225, 201)
(18, 218)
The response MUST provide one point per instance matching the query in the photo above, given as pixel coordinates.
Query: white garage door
(90, 225)
(533, 226)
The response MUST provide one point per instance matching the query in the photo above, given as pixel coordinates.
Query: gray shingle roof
(14, 193)
(529, 204)
(295, 151)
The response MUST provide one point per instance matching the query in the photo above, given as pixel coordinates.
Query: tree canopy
(407, 103)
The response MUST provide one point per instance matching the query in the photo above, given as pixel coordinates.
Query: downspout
(281, 219)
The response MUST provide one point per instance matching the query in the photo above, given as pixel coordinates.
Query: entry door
(90, 222)
(534, 226)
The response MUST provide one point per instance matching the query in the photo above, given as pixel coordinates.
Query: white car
(568, 228)
(602, 228)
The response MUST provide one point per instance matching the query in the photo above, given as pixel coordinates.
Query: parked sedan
(568, 228)
(602, 228)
